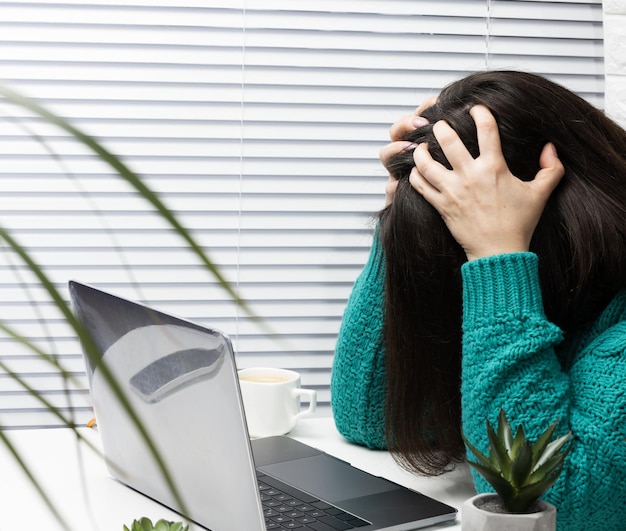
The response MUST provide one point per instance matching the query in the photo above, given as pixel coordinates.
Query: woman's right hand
(397, 131)
(487, 209)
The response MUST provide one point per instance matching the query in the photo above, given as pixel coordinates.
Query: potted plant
(520, 472)
(145, 524)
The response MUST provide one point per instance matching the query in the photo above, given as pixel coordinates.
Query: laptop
(181, 380)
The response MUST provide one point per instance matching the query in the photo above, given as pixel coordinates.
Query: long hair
(580, 241)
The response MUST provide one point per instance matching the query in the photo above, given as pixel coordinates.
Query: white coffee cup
(271, 400)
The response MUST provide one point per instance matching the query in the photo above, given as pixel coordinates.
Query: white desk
(89, 499)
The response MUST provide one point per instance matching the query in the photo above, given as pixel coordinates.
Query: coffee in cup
(271, 399)
(264, 379)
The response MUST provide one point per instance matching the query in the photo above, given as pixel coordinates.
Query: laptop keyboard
(288, 508)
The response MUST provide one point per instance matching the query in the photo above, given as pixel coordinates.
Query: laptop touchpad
(328, 478)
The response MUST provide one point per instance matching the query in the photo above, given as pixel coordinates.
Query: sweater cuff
(501, 285)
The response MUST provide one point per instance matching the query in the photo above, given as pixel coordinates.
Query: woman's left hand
(486, 208)
(397, 132)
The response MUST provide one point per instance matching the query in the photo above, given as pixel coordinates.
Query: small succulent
(519, 471)
(144, 524)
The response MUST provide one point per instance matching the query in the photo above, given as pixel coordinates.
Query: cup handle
(311, 394)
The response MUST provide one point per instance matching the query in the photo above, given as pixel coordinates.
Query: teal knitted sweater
(513, 358)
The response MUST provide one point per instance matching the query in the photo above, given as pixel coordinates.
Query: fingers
(405, 125)
(550, 159)
(452, 146)
(400, 130)
(427, 188)
(457, 153)
(392, 149)
(551, 172)
(487, 132)
(390, 190)
(427, 174)
(488, 140)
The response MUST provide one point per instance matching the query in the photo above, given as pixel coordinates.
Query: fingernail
(419, 121)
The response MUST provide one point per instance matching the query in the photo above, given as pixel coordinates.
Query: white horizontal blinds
(258, 123)
(322, 83)
(161, 86)
(562, 40)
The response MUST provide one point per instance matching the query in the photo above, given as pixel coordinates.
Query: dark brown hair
(580, 241)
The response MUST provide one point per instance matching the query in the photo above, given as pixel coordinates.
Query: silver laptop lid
(181, 380)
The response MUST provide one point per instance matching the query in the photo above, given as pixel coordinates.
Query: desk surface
(79, 485)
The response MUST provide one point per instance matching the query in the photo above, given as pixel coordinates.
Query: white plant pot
(473, 518)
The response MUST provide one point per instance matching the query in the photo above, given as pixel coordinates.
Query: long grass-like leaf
(49, 406)
(92, 352)
(42, 354)
(131, 177)
(135, 181)
(92, 205)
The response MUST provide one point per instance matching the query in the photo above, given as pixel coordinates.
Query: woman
(497, 279)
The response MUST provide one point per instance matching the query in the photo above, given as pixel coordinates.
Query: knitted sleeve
(513, 358)
(358, 377)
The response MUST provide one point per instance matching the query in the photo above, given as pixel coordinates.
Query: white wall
(615, 59)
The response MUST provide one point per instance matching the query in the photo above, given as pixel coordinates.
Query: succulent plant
(145, 524)
(518, 470)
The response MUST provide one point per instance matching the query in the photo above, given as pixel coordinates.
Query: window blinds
(259, 124)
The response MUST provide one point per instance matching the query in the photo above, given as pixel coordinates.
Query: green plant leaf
(546, 469)
(92, 352)
(38, 396)
(133, 179)
(499, 456)
(554, 448)
(145, 524)
(499, 484)
(511, 469)
(504, 431)
(525, 496)
(522, 464)
(542, 442)
(482, 458)
(518, 441)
